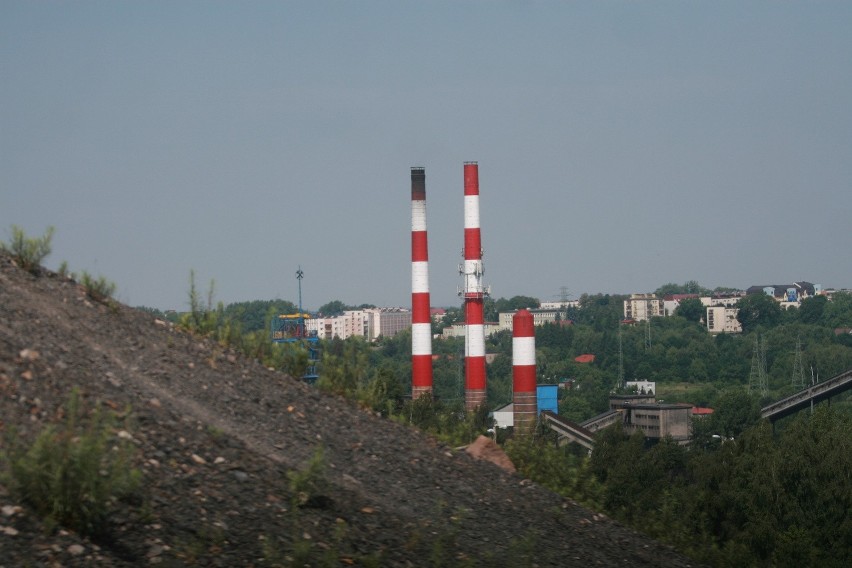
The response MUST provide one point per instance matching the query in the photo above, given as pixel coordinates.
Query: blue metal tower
(291, 328)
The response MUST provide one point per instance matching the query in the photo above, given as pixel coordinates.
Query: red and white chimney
(524, 397)
(474, 293)
(421, 319)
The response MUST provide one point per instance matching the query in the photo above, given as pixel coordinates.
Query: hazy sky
(621, 145)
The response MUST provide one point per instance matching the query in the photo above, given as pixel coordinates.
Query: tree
(333, 308)
(668, 289)
(452, 315)
(691, 309)
(384, 392)
(346, 369)
(295, 359)
(724, 290)
(756, 310)
(518, 303)
(601, 311)
(492, 308)
(256, 314)
(688, 287)
(735, 411)
(838, 312)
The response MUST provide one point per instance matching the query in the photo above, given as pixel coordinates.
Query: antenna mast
(299, 276)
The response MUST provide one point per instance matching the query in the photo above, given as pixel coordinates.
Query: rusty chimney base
(473, 399)
(525, 411)
(417, 392)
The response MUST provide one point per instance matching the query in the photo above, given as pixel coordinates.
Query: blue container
(546, 396)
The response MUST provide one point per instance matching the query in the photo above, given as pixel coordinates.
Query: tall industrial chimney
(524, 398)
(421, 318)
(474, 293)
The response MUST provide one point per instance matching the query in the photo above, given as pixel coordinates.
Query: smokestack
(523, 371)
(474, 293)
(421, 318)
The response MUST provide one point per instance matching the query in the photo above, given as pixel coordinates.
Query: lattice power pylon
(798, 379)
(757, 381)
(620, 359)
(647, 325)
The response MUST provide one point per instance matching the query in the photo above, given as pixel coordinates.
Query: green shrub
(74, 472)
(100, 290)
(27, 252)
(201, 319)
(307, 484)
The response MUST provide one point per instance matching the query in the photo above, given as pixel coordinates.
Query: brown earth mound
(216, 435)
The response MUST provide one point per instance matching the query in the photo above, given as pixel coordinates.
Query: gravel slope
(215, 436)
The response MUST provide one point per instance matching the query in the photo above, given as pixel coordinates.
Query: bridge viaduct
(807, 397)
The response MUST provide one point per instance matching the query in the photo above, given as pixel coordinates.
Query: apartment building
(561, 305)
(540, 316)
(723, 319)
(370, 323)
(787, 293)
(641, 307)
(458, 329)
(387, 322)
(727, 300)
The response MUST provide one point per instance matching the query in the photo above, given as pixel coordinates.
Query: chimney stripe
(523, 350)
(476, 344)
(421, 339)
(419, 278)
(418, 216)
(471, 211)
(420, 309)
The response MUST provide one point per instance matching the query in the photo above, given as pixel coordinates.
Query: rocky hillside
(215, 436)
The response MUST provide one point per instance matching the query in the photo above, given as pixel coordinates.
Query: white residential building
(641, 307)
(458, 329)
(560, 305)
(348, 324)
(540, 316)
(723, 319)
(642, 387)
(728, 301)
(368, 323)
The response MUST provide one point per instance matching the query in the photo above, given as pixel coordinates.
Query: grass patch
(685, 392)
(75, 472)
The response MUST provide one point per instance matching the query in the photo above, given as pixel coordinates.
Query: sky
(621, 145)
